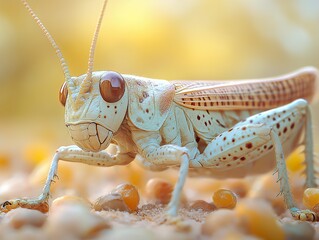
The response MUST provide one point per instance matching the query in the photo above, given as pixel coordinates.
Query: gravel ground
(258, 214)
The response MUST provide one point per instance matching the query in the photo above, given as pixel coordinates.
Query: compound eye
(112, 87)
(63, 93)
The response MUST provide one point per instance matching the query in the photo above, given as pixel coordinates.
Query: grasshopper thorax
(94, 116)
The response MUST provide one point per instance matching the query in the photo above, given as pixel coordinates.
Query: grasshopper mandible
(212, 128)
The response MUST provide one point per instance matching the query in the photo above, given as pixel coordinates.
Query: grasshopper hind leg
(253, 142)
(309, 156)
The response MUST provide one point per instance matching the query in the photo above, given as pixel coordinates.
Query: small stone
(202, 205)
(232, 233)
(70, 200)
(311, 197)
(218, 220)
(224, 198)
(21, 217)
(112, 201)
(129, 194)
(150, 206)
(136, 233)
(74, 221)
(258, 218)
(299, 231)
(159, 190)
(26, 232)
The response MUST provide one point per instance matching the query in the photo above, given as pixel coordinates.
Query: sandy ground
(259, 214)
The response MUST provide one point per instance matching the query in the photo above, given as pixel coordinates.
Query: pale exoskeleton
(217, 129)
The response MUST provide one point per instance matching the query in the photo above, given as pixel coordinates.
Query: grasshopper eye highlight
(112, 87)
(63, 94)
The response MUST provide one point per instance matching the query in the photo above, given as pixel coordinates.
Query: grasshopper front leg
(69, 154)
(157, 157)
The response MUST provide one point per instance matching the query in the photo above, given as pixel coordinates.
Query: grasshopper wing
(247, 94)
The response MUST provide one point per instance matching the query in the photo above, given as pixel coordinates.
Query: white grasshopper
(217, 129)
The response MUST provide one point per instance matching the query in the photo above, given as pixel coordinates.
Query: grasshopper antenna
(86, 84)
(53, 43)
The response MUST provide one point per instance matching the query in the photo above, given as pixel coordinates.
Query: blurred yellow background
(166, 39)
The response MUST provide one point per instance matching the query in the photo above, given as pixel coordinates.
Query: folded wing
(247, 94)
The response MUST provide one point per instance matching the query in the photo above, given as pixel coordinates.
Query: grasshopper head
(95, 103)
(93, 116)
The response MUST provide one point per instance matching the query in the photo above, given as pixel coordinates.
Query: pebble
(258, 218)
(70, 200)
(112, 201)
(299, 231)
(202, 205)
(218, 220)
(310, 197)
(224, 198)
(20, 217)
(232, 233)
(74, 221)
(26, 232)
(131, 233)
(159, 190)
(129, 194)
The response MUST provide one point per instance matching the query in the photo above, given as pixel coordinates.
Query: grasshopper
(220, 129)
